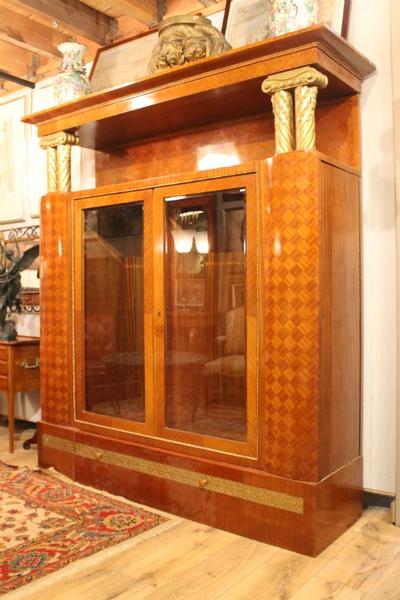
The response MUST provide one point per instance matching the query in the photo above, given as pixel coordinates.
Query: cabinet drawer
(3, 367)
(3, 353)
(3, 382)
(26, 368)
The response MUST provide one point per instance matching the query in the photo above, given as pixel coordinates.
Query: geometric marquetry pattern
(292, 317)
(54, 372)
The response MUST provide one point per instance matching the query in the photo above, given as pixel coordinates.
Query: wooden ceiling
(31, 30)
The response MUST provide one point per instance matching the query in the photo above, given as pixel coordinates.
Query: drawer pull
(25, 365)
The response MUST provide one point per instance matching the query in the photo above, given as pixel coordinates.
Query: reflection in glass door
(114, 308)
(205, 314)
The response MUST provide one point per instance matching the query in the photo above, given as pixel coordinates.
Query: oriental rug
(47, 522)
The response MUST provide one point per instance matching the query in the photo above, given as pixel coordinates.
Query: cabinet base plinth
(300, 516)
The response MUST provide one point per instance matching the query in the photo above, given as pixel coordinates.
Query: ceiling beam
(17, 61)
(8, 77)
(144, 11)
(75, 17)
(28, 34)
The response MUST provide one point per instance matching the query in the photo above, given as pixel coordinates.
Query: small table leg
(11, 420)
(11, 402)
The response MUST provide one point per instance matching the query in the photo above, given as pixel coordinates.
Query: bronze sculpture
(183, 39)
(11, 265)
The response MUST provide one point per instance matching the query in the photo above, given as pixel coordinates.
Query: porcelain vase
(290, 15)
(72, 82)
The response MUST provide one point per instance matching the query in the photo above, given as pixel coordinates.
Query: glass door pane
(114, 310)
(205, 314)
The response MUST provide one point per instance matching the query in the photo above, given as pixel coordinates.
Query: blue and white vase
(72, 82)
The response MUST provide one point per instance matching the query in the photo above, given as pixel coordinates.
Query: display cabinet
(201, 307)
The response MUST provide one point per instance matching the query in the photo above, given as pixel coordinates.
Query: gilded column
(298, 126)
(282, 104)
(64, 168)
(58, 148)
(51, 169)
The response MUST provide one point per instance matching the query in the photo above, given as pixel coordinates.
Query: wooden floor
(196, 562)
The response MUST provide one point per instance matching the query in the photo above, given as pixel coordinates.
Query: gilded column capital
(287, 80)
(58, 148)
(61, 138)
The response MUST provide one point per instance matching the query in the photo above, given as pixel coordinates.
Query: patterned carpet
(47, 523)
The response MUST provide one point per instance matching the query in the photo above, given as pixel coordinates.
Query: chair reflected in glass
(225, 376)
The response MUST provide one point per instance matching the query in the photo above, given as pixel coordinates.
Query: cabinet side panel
(337, 127)
(292, 317)
(340, 323)
(55, 310)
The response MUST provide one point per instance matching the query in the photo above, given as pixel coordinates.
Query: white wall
(370, 34)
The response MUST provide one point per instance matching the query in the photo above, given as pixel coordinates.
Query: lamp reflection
(183, 240)
(201, 242)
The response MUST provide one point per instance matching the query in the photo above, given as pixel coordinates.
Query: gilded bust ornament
(184, 39)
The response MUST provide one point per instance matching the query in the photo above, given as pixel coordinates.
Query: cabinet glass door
(111, 332)
(208, 295)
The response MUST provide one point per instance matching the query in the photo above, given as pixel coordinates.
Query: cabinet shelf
(219, 88)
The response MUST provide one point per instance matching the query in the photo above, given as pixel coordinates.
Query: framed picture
(123, 62)
(13, 161)
(190, 293)
(336, 14)
(248, 21)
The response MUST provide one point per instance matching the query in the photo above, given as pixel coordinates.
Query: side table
(19, 371)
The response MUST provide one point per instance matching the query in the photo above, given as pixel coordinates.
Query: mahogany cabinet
(201, 307)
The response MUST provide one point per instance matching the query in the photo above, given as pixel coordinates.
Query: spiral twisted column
(58, 148)
(305, 103)
(294, 128)
(282, 105)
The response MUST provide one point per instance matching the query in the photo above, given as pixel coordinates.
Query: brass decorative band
(219, 485)
(294, 129)
(58, 147)
(59, 443)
